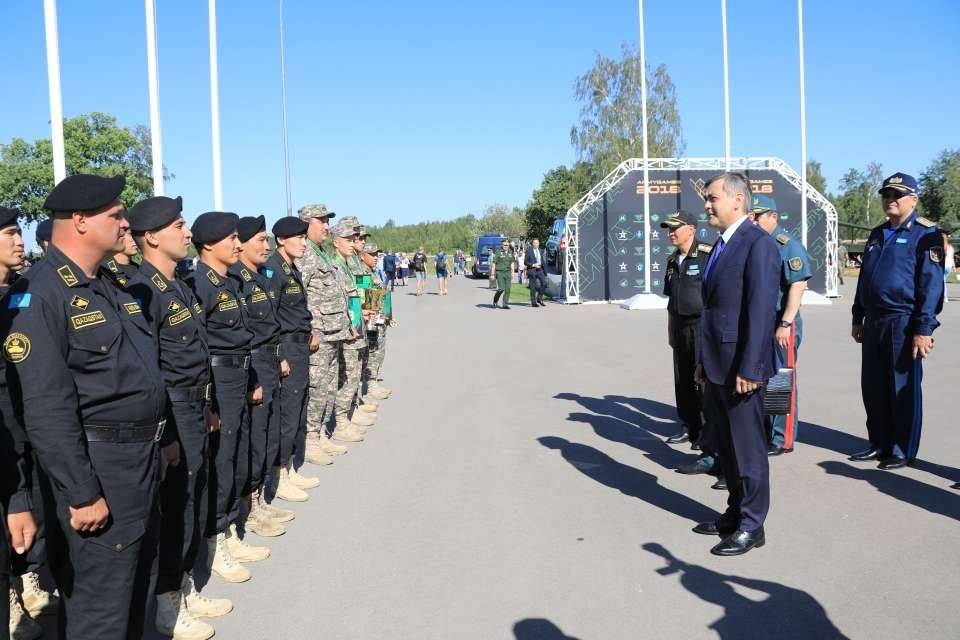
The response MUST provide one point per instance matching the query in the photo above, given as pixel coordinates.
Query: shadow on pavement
(942, 502)
(777, 611)
(627, 480)
(538, 629)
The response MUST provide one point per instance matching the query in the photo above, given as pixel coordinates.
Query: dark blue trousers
(890, 382)
(742, 448)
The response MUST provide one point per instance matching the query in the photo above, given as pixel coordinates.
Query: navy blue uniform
(899, 294)
(84, 372)
(176, 316)
(122, 273)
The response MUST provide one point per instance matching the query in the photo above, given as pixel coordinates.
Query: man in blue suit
(736, 358)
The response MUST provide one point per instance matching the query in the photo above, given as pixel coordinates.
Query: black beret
(8, 216)
(45, 230)
(249, 226)
(154, 213)
(289, 226)
(213, 226)
(84, 192)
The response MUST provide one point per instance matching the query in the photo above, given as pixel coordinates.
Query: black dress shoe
(678, 438)
(714, 528)
(720, 485)
(774, 451)
(700, 466)
(892, 462)
(695, 446)
(739, 542)
(867, 454)
(955, 486)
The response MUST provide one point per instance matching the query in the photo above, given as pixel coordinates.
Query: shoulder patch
(16, 348)
(197, 308)
(79, 303)
(268, 273)
(783, 238)
(67, 275)
(19, 301)
(132, 307)
(112, 265)
(795, 264)
(926, 222)
(285, 267)
(158, 282)
(122, 281)
(936, 255)
(223, 296)
(213, 277)
(245, 275)
(174, 306)
(703, 246)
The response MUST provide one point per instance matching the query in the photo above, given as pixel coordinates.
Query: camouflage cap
(315, 211)
(370, 247)
(344, 229)
(352, 220)
(363, 232)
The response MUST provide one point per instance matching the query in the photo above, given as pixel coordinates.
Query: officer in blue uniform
(899, 294)
(795, 270)
(84, 373)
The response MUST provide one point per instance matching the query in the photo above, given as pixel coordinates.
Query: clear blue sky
(430, 110)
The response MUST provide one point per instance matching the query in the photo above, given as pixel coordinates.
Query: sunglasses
(893, 194)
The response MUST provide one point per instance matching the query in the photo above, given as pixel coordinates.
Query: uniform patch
(245, 275)
(706, 248)
(16, 348)
(902, 240)
(272, 295)
(112, 266)
(936, 254)
(258, 297)
(122, 281)
(227, 306)
(223, 296)
(158, 282)
(132, 307)
(293, 288)
(693, 268)
(213, 277)
(19, 301)
(926, 222)
(268, 273)
(67, 275)
(783, 238)
(795, 264)
(174, 306)
(87, 319)
(177, 318)
(196, 308)
(285, 267)
(80, 303)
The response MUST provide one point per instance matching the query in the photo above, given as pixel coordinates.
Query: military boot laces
(36, 600)
(222, 563)
(287, 490)
(243, 552)
(314, 453)
(174, 619)
(22, 626)
(260, 522)
(199, 605)
(274, 512)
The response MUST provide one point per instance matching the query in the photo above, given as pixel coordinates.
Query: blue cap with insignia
(906, 184)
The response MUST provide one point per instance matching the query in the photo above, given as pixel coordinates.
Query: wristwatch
(784, 324)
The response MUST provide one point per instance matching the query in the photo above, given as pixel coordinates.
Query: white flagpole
(215, 106)
(803, 130)
(726, 85)
(286, 139)
(646, 156)
(53, 81)
(156, 144)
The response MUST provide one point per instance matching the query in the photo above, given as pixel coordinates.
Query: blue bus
(489, 242)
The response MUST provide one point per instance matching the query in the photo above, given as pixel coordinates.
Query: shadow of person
(781, 612)
(538, 629)
(920, 494)
(628, 480)
(655, 417)
(616, 430)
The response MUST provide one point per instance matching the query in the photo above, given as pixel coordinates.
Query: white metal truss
(694, 164)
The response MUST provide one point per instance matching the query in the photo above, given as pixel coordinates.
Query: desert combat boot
(222, 563)
(259, 521)
(174, 619)
(243, 552)
(22, 626)
(36, 601)
(199, 605)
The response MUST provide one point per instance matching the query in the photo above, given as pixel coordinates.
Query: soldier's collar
(906, 224)
(206, 271)
(70, 274)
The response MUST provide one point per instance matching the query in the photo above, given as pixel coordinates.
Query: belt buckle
(246, 362)
(160, 427)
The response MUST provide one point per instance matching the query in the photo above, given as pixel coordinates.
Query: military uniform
(351, 355)
(899, 294)
(123, 273)
(795, 267)
(377, 331)
(504, 261)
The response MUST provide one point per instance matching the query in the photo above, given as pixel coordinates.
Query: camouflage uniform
(351, 356)
(376, 344)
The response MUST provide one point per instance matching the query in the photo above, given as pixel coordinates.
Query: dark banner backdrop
(611, 229)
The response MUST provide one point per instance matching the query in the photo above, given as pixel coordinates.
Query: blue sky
(430, 110)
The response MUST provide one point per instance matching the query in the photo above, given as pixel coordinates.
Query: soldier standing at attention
(84, 373)
(502, 267)
(163, 237)
(899, 294)
(683, 285)
(121, 263)
(365, 413)
(228, 337)
(794, 272)
(44, 234)
(377, 336)
(290, 302)
(375, 390)
(259, 452)
(329, 327)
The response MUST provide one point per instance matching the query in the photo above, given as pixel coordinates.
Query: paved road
(519, 487)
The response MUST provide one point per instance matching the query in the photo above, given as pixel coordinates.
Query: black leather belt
(190, 394)
(125, 432)
(236, 362)
(271, 350)
(299, 338)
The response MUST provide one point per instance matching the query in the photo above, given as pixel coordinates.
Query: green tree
(560, 190)
(815, 177)
(499, 218)
(940, 187)
(858, 202)
(93, 143)
(611, 113)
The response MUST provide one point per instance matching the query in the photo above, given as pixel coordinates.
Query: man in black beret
(218, 247)
(121, 263)
(286, 287)
(84, 374)
(163, 237)
(44, 234)
(258, 453)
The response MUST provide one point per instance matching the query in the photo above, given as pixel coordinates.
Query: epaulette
(703, 246)
(925, 222)
(783, 238)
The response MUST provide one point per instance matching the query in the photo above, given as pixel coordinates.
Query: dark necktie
(714, 256)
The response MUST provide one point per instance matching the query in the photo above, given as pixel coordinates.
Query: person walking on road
(534, 263)
(420, 269)
(441, 260)
(502, 266)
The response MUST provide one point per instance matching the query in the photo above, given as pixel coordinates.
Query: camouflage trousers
(376, 350)
(351, 368)
(324, 377)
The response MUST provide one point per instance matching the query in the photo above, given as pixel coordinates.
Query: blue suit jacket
(740, 308)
